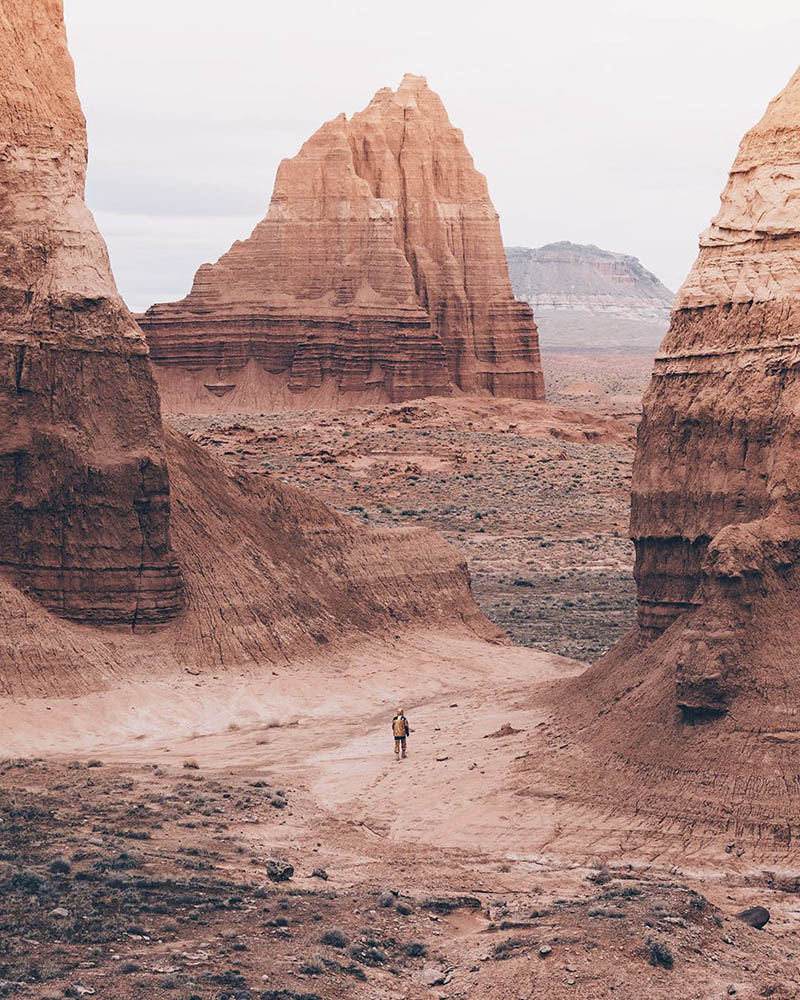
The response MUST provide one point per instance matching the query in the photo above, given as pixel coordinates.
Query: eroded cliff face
(84, 490)
(378, 273)
(268, 575)
(716, 486)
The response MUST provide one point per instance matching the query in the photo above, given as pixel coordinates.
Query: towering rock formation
(580, 278)
(693, 720)
(84, 491)
(716, 483)
(378, 273)
(268, 575)
(716, 475)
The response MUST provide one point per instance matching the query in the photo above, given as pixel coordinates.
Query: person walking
(400, 731)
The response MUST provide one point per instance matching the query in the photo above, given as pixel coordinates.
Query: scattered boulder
(435, 975)
(755, 916)
(279, 871)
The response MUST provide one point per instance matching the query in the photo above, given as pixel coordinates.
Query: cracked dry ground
(536, 497)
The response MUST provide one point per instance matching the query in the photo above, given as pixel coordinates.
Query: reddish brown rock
(716, 497)
(378, 273)
(84, 491)
(268, 575)
(714, 480)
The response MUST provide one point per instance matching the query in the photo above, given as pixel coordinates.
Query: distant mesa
(571, 276)
(588, 298)
(377, 275)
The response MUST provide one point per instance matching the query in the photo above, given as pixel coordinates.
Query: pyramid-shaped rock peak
(716, 487)
(84, 491)
(378, 273)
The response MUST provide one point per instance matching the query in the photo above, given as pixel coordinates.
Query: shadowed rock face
(378, 273)
(84, 490)
(716, 489)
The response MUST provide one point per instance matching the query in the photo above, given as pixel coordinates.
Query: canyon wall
(84, 490)
(716, 488)
(92, 531)
(378, 274)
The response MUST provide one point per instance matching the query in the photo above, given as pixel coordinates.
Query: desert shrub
(658, 953)
(416, 949)
(335, 938)
(313, 967)
(609, 912)
(59, 867)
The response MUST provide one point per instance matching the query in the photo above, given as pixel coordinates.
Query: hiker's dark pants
(400, 742)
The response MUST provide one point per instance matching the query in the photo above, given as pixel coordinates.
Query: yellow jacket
(400, 727)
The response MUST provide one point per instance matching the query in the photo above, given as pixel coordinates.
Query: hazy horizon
(612, 126)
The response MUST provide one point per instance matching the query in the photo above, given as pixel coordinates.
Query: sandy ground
(459, 872)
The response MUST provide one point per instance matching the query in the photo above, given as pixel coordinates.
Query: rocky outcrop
(716, 489)
(378, 274)
(84, 490)
(267, 574)
(579, 278)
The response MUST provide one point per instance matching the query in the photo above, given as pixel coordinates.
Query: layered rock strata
(579, 278)
(718, 433)
(268, 575)
(378, 273)
(716, 481)
(84, 490)
(692, 719)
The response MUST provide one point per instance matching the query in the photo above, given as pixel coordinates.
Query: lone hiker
(400, 731)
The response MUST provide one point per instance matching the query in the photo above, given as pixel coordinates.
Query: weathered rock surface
(715, 488)
(378, 274)
(716, 508)
(582, 278)
(84, 490)
(266, 573)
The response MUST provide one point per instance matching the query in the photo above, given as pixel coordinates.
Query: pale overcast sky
(600, 121)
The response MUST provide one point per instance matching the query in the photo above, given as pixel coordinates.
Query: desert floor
(536, 497)
(465, 870)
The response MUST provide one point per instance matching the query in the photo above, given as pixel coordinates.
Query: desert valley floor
(253, 837)
(211, 850)
(536, 496)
